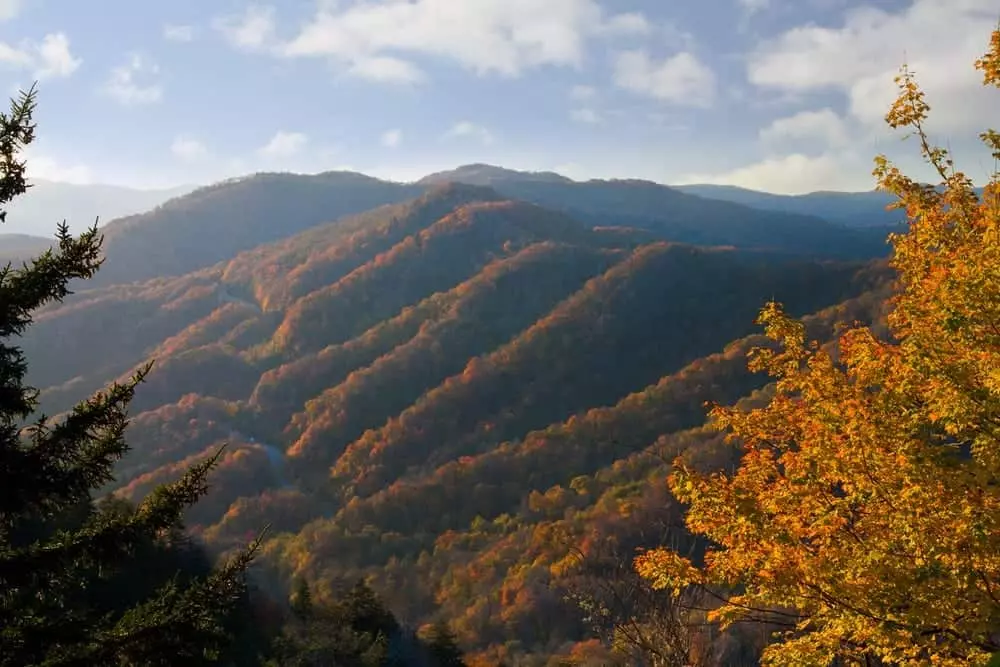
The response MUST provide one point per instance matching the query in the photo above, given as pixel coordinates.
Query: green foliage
(72, 590)
(355, 630)
(442, 646)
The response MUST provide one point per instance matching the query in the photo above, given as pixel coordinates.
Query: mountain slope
(474, 317)
(214, 223)
(392, 385)
(507, 527)
(17, 248)
(589, 350)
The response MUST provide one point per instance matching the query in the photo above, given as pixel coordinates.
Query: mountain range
(854, 209)
(47, 203)
(454, 387)
(213, 223)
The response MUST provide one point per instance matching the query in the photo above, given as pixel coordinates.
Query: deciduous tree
(866, 511)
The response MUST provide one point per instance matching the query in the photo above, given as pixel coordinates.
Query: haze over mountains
(423, 383)
(48, 203)
(854, 209)
(216, 221)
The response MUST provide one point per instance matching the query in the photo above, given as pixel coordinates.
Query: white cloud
(283, 144)
(47, 59)
(795, 174)
(502, 37)
(178, 33)
(54, 57)
(392, 138)
(133, 84)
(188, 149)
(386, 69)
(940, 40)
(631, 23)
(15, 57)
(680, 79)
(45, 167)
(823, 127)
(857, 60)
(586, 115)
(468, 129)
(251, 31)
(9, 9)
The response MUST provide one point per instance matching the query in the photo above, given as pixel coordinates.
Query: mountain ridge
(214, 223)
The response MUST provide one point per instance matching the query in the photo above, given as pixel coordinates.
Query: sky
(785, 96)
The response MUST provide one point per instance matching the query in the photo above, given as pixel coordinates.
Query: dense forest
(481, 419)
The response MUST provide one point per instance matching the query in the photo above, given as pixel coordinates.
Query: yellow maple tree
(865, 514)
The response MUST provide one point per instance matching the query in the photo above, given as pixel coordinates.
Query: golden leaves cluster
(866, 508)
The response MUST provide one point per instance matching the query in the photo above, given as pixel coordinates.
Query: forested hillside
(409, 394)
(215, 222)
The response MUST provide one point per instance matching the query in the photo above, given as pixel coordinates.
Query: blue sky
(780, 95)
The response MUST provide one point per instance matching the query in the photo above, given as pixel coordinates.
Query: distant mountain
(487, 174)
(48, 203)
(855, 209)
(680, 215)
(214, 223)
(20, 247)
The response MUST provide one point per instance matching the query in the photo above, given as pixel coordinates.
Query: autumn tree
(865, 514)
(641, 625)
(72, 586)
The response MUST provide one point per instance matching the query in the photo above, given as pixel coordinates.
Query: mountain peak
(460, 189)
(487, 174)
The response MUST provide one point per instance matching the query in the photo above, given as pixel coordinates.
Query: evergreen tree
(301, 600)
(354, 630)
(443, 647)
(62, 557)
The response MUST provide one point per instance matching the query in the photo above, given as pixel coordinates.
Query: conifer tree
(301, 600)
(58, 548)
(443, 647)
